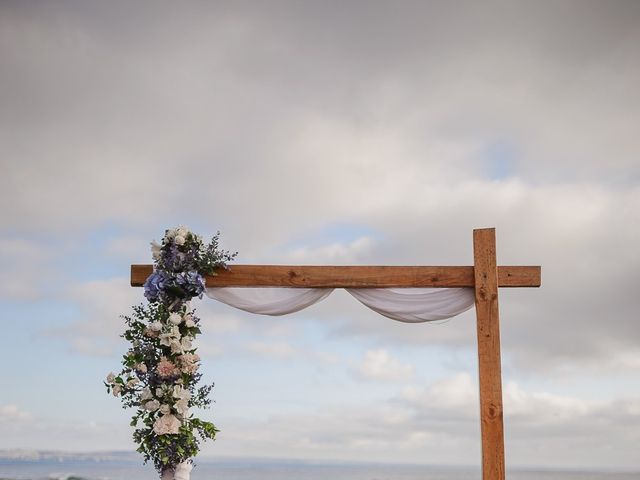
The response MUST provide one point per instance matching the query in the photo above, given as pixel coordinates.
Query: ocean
(64, 469)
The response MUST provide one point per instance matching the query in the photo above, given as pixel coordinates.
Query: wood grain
(489, 364)
(326, 276)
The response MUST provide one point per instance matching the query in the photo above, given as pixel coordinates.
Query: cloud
(379, 365)
(129, 247)
(11, 413)
(588, 257)
(456, 398)
(286, 350)
(457, 393)
(27, 272)
(364, 124)
(440, 424)
(281, 350)
(97, 328)
(337, 252)
(213, 115)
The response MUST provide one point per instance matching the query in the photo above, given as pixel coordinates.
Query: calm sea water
(122, 470)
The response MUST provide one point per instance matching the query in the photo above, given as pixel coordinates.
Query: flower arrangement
(160, 371)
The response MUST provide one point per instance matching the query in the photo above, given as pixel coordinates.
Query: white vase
(167, 474)
(182, 471)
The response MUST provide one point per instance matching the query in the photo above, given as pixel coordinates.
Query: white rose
(182, 407)
(156, 326)
(145, 394)
(152, 405)
(159, 392)
(167, 425)
(171, 338)
(182, 231)
(156, 250)
(181, 393)
(111, 377)
(179, 240)
(132, 382)
(175, 318)
(166, 339)
(117, 388)
(176, 347)
(186, 343)
(165, 409)
(141, 367)
(190, 323)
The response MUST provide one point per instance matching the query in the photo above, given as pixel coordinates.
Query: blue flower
(155, 285)
(191, 282)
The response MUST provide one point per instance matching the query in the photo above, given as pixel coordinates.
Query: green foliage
(159, 375)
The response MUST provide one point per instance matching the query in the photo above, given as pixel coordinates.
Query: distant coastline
(121, 457)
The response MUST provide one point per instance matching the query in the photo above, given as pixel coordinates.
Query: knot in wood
(493, 411)
(482, 293)
(293, 277)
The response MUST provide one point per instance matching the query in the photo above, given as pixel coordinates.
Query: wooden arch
(485, 276)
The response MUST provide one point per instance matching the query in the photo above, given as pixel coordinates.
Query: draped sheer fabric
(416, 305)
(411, 305)
(269, 301)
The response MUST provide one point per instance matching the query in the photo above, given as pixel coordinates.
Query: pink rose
(167, 368)
(189, 363)
(167, 425)
(151, 333)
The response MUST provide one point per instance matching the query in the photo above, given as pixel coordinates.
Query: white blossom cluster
(170, 402)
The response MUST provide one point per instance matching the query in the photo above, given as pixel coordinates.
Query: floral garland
(160, 373)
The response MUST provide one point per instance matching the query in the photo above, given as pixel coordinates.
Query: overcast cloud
(333, 132)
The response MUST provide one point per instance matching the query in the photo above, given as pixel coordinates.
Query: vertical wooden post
(486, 299)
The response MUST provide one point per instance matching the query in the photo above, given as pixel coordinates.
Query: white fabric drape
(415, 305)
(411, 305)
(269, 301)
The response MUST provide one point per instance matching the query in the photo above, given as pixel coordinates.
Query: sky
(327, 133)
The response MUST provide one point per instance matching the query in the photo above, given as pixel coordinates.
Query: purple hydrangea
(178, 259)
(155, 285)
(162, 286)
(192, 283)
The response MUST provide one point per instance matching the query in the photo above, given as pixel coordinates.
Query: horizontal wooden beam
(328, 276)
